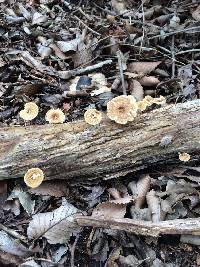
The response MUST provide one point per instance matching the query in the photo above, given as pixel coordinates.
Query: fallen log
(80, 152)
(145, 228)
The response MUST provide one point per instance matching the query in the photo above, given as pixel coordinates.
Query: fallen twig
(146, 228)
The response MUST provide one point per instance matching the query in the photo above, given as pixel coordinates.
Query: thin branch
(175, 32)
(13, 233)
(119, 56)
(85, 25)
(146, 228)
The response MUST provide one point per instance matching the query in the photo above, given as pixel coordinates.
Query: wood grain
(80, 152)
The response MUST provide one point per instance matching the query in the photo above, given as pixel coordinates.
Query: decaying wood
(146, 228)
(81, 152)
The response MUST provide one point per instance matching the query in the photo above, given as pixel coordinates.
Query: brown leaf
(123, 200)
(136, 89)
(57, 226)
(149, 81)
(109, 210)
(82, 57)
(196, 14)
(51, 188)
(139, 189)
(143, 67)
(154, 206)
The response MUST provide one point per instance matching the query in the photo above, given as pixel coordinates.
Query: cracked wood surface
(80, 152)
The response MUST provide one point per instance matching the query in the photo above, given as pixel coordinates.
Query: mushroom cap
(93, 116)
(29, 112)
(55, 116)
(184, 156)
(33, 177)
(149, 100)
(159, 100)
(122, 109)
(142, 105)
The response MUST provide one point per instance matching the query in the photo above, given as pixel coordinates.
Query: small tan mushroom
(142, 105)
(34, 177)
(93, 116)
(29, 112)
(149, 100)
(122, 109)
(55, 116)
(159, 100)
(184, 157)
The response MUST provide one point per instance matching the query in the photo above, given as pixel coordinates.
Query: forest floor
(79, 55)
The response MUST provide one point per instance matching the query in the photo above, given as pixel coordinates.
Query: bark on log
(81, 152)
(146, 228)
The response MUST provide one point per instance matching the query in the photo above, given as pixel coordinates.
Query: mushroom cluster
(149, 100)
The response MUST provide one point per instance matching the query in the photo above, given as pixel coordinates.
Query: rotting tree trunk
(80, 152)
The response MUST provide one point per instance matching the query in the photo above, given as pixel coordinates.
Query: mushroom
(142, 105)
(122, 109)
(159, 100)
(149, 100)
(55, 116)
(29, 112)
(34, 177)
(93, 116)
(184, 156)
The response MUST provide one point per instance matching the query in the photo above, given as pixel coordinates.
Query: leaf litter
(75, 56)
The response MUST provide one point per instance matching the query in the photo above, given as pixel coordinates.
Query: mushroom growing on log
(80, 153)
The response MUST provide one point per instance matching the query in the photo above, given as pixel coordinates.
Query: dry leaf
(139, 189)
(149, 81)
(109, 210)
(57, 226)
(100, 82)
(196, 14)
(39, 18)
(143, 67)
(119, 6)
(136, 89)
(123, 200)
(51, 188)
(154, 205)
(71, 45)
(12, 246)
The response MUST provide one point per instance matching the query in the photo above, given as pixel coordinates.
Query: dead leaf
(143, 67)
(13, 206)
(109, 210)
(191, 239)
(119, 6)
(149, 81)
(12, 246)
(39, 18)
(57, 226)
(136, 89)
(139, 189)
(140, 214)
(24, 198)
(123, 200)
(71, 45)
(196, 14)
(154, 206)
(51, 188)
(100, 82)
